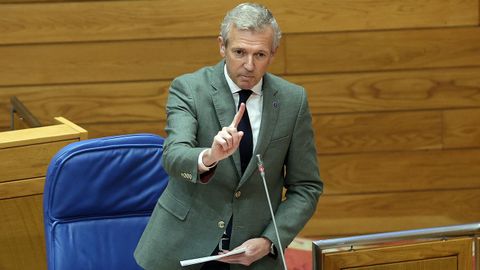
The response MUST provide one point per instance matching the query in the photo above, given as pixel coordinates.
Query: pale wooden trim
(82, 132)
(64, 131)
(36, 135)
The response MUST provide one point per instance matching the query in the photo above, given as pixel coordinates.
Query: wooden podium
(441, 248)
(24, 158)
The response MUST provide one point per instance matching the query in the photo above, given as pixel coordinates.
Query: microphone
(261, 169)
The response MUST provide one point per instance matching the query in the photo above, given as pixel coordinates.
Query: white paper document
(212, 258)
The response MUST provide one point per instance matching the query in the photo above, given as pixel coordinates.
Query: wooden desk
(439, 248)
(24, 158)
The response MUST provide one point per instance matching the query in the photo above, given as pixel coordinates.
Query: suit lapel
(267, 126)
(224, 105)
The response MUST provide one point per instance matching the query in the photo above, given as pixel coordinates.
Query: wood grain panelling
(382, 212)
(325, 15)
(393, 86)
(92, 103)
(382, 50)
(21, 231)
(400, 171)
(357, 92)
(114, 128)
(110, 20)
(446, 263)
(454, 253)
(347, 133)
(462, 128)
(115, 20)
(22, 188)
(392, 90)
(109, 61)
(35, 158)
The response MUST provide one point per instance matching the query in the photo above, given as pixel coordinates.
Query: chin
(246, 85)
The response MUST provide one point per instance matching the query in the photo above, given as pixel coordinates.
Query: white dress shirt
(254, 108)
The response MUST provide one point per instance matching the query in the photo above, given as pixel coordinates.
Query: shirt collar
(257, 89)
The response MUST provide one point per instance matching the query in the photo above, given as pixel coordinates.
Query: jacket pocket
(173, 206)
(278, 142)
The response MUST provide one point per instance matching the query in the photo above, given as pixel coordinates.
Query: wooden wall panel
(115, 128)
(110, 20)
(325, 15)
(462, 128)
(93, 103)
(393, 87)
(382, 50)
(392, 90)
(109, 61)
(400, 171)
(125, 20)
(368, 132)
(381, 212)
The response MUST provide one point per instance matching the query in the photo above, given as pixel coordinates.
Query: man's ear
(221, 45)
(272, 55)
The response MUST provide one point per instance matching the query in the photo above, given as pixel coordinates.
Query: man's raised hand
(226, 142)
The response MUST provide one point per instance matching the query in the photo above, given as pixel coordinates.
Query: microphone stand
(261, 169)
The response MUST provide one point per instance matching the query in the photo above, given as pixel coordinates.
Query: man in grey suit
(215, 200)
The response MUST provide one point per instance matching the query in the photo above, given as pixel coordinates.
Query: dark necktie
(246, 144)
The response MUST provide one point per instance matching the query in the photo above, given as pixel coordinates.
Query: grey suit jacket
(190, 217)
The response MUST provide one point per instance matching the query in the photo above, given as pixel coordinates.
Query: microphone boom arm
(261, 169)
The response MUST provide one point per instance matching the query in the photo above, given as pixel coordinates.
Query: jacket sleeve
(181, 151)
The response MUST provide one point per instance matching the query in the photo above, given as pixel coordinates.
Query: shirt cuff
(202, 167)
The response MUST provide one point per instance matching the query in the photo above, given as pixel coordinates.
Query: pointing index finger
(238, 116)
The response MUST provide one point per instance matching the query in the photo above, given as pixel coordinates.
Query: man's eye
(261, 56)
(238, 52)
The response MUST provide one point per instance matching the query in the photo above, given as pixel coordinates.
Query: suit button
(238, 194)
(221, 224)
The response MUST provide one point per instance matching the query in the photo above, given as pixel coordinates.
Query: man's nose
(249, 64)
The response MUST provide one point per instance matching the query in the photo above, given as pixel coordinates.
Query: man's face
(247, 55)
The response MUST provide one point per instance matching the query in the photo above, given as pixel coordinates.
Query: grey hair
(252, 17)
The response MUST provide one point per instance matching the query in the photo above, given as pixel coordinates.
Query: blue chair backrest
(99, 195)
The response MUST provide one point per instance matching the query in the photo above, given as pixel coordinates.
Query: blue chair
(99, 195)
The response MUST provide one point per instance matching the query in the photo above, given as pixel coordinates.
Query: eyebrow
(243, 49)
